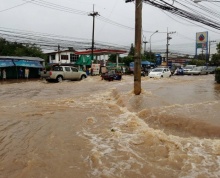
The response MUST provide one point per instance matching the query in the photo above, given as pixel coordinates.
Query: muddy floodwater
(100, 129)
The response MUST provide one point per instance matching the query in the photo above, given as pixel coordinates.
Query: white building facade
(63, 57)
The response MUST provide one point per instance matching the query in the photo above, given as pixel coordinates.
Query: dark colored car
(111, 75)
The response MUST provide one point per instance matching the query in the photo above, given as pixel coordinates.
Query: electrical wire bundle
(194, 12)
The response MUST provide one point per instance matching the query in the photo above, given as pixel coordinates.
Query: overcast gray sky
(65, 20)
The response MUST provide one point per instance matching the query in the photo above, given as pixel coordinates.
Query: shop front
(15, 66)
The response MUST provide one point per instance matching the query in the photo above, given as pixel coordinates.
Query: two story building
(63, 57)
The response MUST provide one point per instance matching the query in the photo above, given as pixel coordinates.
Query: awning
(6, 63)
(24, 63)
(100, 52)
(84, 60)
(147, 63)
(143, 63)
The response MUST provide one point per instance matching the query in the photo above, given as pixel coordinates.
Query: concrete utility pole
(93, 14)
(145, 42)
(167, 51)
(138, 42)
(59, 53)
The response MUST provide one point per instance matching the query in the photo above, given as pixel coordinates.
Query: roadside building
(14, 65)
(83, 58)
(63, 57)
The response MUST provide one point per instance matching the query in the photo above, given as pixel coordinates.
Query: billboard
(201, 39)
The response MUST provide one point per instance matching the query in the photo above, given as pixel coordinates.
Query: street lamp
(150, 41)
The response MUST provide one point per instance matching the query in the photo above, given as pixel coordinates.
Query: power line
(183, 13)
(16, 6)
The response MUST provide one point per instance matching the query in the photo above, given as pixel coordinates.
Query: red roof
(100, 52)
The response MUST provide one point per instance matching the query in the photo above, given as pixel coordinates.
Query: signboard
(201, 39)
(95, 69)
(201, 45)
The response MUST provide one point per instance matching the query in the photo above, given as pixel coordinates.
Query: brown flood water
(94, 128)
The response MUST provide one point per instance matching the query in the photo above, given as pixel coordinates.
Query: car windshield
(157, 70)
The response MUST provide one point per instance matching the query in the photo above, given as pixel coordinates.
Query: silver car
(201, 70)
(188, 68)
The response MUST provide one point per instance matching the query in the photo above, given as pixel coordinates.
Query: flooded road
(95, 128)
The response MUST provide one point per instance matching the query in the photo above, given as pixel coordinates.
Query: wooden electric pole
(93, 14)
(138, 42)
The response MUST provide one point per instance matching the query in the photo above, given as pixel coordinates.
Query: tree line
(8, 48)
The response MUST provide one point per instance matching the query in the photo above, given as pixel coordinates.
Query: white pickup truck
(60, 73)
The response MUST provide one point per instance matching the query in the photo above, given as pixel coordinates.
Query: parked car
(211, 69)
(160, 73)
(188, 68)
(59, 73)
(201, 70)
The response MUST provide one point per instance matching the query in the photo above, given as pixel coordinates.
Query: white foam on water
(118, 148)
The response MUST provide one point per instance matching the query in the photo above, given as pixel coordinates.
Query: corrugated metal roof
(100, 52)
(22, 58)
(63, 51)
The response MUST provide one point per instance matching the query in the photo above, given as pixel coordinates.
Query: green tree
(216, 57)
(201, 57)
(150, 57)
(127, 60)
(215, 60)
(132, 50)
(112, 58)
(17, 49)
(218, 48)
(197, 62)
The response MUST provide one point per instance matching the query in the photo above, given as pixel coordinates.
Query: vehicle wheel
(170, 76)
(59, 78)
(161, 76)
(83, 77)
